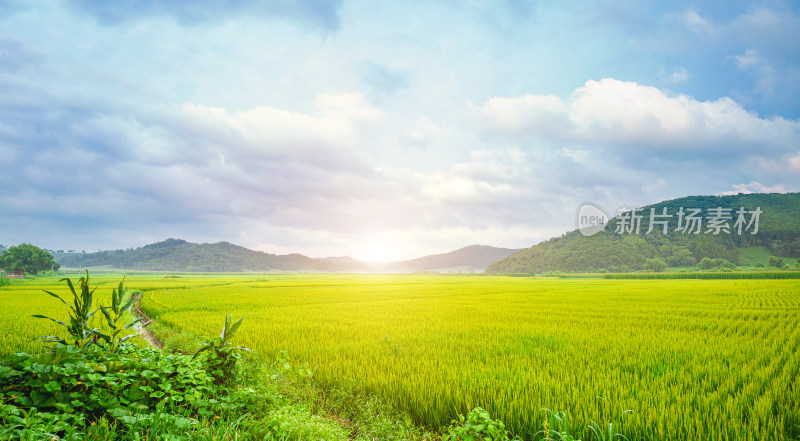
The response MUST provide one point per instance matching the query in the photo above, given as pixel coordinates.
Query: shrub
(477, 426)
(777, 262)
(118, 391)
(72, 389)
(655, 264)
(220, 361)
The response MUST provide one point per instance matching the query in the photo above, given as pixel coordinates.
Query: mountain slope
(779, 233)
(471, 258)
(180, 255)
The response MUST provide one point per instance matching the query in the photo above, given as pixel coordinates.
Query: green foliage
(221, 356)
(79, 315)
(5, 281)
(477, 426)
(655, 264)
(26, 257)
(556, 426)
(117, 389)
(119, 307)
(705, 264)
(777, 262)
(715, 264)
(296, 422)
(680, 257)
(71, 390)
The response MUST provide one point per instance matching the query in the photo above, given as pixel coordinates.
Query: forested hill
(180, 255)
(621, 249)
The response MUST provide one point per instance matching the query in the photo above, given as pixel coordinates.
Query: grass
(374, 356)
(753, 256)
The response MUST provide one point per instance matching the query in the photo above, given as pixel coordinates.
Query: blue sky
(382, 130)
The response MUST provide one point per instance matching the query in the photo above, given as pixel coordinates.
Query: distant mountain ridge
(778, 235)
(180, 255)
(473, 258)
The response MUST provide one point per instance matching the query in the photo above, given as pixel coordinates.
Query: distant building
(13, 274)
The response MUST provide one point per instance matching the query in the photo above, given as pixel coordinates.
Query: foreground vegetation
(92, 385)
(371, 357)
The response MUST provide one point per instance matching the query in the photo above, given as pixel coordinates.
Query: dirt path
(142, 330)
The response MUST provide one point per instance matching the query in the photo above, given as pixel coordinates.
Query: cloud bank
(333, 128)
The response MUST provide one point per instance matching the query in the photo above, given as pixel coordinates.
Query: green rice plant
(669, 350)
(757, 275)
(556, 427)
(714, 359)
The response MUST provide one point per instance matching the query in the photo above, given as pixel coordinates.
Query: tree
(26, 257)
(681, 257)
(705, 264)
(656, 264)
(777, 262)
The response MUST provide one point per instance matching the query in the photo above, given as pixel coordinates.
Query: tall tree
(26, 257)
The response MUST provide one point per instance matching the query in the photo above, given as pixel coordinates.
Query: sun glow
(377, 249)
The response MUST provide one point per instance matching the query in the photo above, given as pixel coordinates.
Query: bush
(71, 390)
(118, 390)
(477, 426)
(220, 360)
(655, 264)
(705, 264)
(719, 263)
(777, 262)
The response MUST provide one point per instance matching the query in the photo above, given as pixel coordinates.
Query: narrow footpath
(143, 332)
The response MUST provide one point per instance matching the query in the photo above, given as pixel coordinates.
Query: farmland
(658, 359)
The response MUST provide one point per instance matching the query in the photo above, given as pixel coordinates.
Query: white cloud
(337, 121)
(696, 23)
(794, 162)
(749, 59)
(755, 187)
(678, 75)
(543, 113)
(616, 114)
(752, 62)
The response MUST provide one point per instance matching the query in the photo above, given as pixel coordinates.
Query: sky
(382, 130)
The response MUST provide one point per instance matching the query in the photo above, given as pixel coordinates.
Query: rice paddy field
(656, 359)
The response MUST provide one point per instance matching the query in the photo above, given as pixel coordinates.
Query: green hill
(180, 255)
(617, 249)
